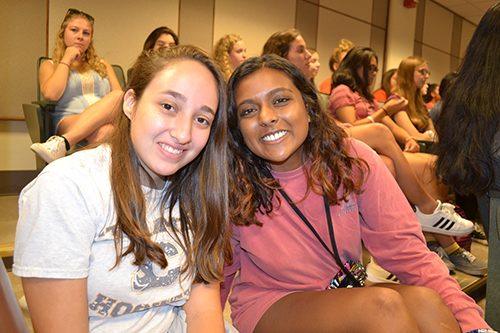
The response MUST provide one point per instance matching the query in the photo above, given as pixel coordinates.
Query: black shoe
(479, 236)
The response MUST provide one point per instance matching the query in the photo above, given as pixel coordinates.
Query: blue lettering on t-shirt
(107, 306)
(121, 309)
(102, 304)
(146, 278)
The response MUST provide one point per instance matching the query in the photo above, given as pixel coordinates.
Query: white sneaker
(377, 274)
(445, 221)
(50, 150)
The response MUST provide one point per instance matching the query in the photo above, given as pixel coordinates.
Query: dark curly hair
(331, 166)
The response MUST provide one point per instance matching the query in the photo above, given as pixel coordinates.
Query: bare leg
(427, 306)
(389, 164)
(87, 125)
(424, 167)
(380, 138)
(444, 240)
(369, 309)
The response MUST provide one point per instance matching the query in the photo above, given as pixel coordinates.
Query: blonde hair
(221, 53)
(89, 60)
(345, 45)
(405, 87)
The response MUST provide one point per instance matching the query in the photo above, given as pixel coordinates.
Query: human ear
(129, 103)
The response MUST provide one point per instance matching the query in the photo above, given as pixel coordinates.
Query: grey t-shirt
(65, 231)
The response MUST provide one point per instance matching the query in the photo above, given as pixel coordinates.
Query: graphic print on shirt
(348, 206)
(146, 276)
(150, 275)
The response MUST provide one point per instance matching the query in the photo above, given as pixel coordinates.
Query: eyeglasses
(73, 11)
(373, 69)
(424, 72)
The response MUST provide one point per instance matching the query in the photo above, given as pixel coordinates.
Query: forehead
(239, 44)
(297, 42)
(166, 38)
(422, 66)
(180, 70)
(262, 82)
(80, 22)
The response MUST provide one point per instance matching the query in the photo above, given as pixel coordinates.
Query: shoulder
(342, 88)
(81, 168)
(47, 62)
(341, 95)
(47, 65)
(105, 62)
(393, 97)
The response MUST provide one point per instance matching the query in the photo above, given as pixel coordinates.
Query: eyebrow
(75, 26)
(269, 93)
(182, 98)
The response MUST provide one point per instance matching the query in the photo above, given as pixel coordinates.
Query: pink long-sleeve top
(283, 256)
(342, 95)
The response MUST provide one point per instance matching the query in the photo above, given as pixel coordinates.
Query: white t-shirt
(65, 230)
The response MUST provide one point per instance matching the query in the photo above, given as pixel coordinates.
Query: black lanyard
(330, 230)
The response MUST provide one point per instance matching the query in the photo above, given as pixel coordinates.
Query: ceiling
(471, 10)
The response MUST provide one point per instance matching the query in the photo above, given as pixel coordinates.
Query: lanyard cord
(330, 230)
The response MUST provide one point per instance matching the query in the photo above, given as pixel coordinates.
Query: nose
(182, 129)
(308, 55)
(267, 116)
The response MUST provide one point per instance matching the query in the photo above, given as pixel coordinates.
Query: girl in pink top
(283, 143)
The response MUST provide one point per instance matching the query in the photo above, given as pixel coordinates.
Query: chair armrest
(50, 104)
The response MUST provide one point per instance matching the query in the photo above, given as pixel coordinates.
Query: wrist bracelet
(371, 119)
(64, 63)
(386, 113)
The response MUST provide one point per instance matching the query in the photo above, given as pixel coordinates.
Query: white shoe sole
(40, 152)
(450, 232)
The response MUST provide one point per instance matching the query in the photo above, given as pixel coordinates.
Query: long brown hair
(330, 167)
(150, 42)
(405, 87)
(199, 189)
(89, 60)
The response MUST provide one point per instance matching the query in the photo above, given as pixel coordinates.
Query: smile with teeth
(170, 149)
(274, 136)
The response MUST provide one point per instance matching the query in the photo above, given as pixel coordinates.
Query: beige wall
(121, 27)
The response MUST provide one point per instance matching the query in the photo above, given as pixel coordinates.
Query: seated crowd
(187, 196)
